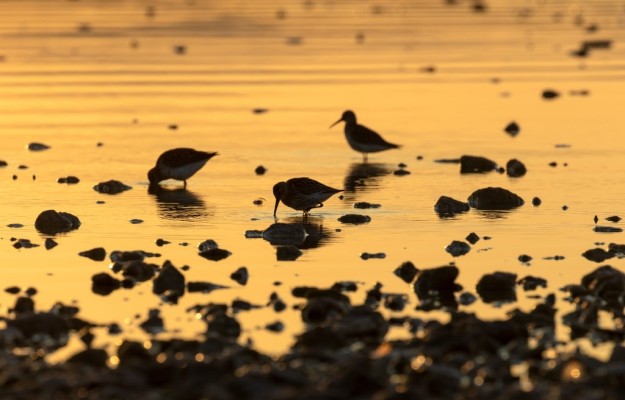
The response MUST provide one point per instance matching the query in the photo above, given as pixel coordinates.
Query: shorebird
(180, 164)
(361, 138)
(302, 194)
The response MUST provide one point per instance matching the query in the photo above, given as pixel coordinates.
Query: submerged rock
(364, 204)
(458, 248)
(354, 219)
(407, 272)
(52, 222)
(497, 287)
(494, 198)
(476, 164)
(169, 279)
(515, 168)
(96, 254)
(111, 187)
(448, 207)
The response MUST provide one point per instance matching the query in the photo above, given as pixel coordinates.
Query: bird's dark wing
(307, 186)
(365, 135)
(182, 156)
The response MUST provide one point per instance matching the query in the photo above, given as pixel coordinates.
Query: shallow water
(75, 74)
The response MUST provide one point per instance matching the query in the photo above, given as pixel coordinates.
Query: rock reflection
(303, 235)
(178, 204)
(363, 177)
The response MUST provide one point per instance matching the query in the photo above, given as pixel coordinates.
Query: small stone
(203, 287)
(366, 256)
(260, 110)
(565, 207)
(260, 170)
(536, 201)
(215, 254)
(240, 276)
(512, 129)
(111, 187)
(253, 234)
(553, 164)
(208, 244)
(494, 198)
(549, 94)
(3, 164)
(467, 298)
(96, 254)
(524, 258)
(136, 221)
(364, 205)
(70, 180)
(497, 287)
(597, 255)
(457, 248)
(354, 219)
(476, 164)
(36, 146)
(613, 218)
(258, 202)
(51, 222)
(50, 243)
(530, 283)
(275, 327)
(607, 229)
(15, 226)
(103, 284)
(13, 289)
(448, 207)
(168, 279)
(401, 172)
(472, 238)
(407, 272)
(515, 168)
(161, 242)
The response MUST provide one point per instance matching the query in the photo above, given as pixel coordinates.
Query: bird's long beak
(341, 119)
(275, 209)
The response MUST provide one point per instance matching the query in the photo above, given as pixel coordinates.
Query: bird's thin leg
(364, 157)
(185, 184)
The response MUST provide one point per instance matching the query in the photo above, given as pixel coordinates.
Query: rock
(401, 172)
(407, 272)
(168, 279)
(515, 168)
(161, 242)
(280, 234)
(607, 229)
(111, 187)
(41, 327)
(215, 254)
(23, 305)
(497, 287)
(354, 219)
(613, 218)
(276, 327)
(203, 287)
(618, 250)
(458, 248)
(532, 282)
(524, 258)
(240, 276)
(395, 302)
(138, 271)
(448, 207)
(435, 287)
(95, 358)
(15, 226)
(24, 244)
(13, 289)
(472, 238)
(96, 254)
(50, 243)
(288, 253)
(69, 180)
(549, 94)
(512, 129)
(36, 146)
(475, 164)
(136, 221)
(154, 323)
(127, 256)
(3, 164)
(467, 299)
(494, 198)
(364, 204)
(253, 234)
(260, 170)
(366, 256)
(597, 255)
(51, 222)
(207, 245)
(103, 284)
(536, 201)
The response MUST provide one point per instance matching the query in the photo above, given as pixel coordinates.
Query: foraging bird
(302, 194)
(180, 164)
(361, 138)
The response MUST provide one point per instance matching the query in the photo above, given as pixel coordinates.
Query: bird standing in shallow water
(361, 138)
(180, 164)
(302, 194)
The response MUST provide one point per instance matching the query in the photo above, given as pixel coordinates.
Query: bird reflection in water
(363, 177)
(178, 204)
(303, 235)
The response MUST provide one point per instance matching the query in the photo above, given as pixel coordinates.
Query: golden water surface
(143, 76)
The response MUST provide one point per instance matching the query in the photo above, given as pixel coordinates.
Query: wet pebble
(203, 287)
(3, 163)
(253, 234)
(258, 202)
(554, 258)
(69, 180)
(215, 254)
(401, 172)
(607, 229)
(15, 226)
(95, 254)
(136, 221)
(276, 302)
(512, 129)
(104, 284)
(169, 279)
(524, 258)
(406, 272)
(24, 244)
(597, 255)
(260, 170)
(448, 207)
(50, 243)
(494, 198)
(36, 146)
(613, 218)
(161, 242)
(395, 302)
(472, 238)
(354, 219)
(467, 298)
(276, 327)
(154, 323)
(530, 283)
(13, 290)
(476, 164)
(549, 94)
(435, 287)
(52, 222)
(365, 205)
(497, 287)
(366, 256)
(536, 201)
(515, 168)
(240, 276)
(111, 187)
(458, 248)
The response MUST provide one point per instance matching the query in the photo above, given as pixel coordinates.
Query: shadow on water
(363, 177)
(303, 234)
(179, 204)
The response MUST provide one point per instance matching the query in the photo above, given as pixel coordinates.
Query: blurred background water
(441, 78)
